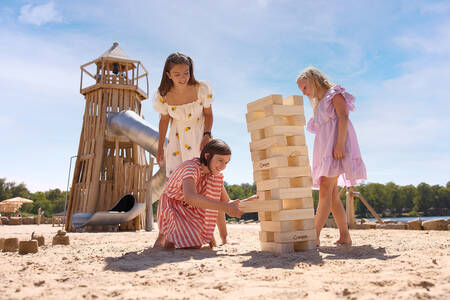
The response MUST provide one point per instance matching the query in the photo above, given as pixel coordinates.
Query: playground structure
(282, 174)
(111, 160)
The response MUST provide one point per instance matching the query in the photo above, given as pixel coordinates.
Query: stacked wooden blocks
(282, 174)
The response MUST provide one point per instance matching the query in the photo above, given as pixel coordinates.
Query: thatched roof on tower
(115, 52)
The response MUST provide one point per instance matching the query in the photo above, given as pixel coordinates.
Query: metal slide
(129, 124)
(126, 209)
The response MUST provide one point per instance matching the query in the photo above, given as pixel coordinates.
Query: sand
(382, 264)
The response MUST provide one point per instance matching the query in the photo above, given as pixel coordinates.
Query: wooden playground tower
(108, 166)
(282, 174)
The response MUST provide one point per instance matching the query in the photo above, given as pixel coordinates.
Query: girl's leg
(324, 206)
(341, 219)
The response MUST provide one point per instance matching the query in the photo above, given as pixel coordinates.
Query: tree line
(387, 199)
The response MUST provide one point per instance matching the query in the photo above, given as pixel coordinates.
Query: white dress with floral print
(186, 126)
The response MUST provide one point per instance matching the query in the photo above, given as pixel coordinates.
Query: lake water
(406, 219)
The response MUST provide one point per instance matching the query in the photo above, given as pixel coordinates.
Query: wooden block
(254, 115)
(298, 161)
(257, 134)
(287, 151)
(297, 120)
(261, 103)
(263, 185)
(258, 155)
(284, 130)
(265, 164)
(305, 181)
(293, 214)
(264, 216)
(283, 110)
(260, 205)
(264, 195)
(291, 193)
(297, 203)
(265, 236)
(293, 100)
(261, 175)
(296, 140)
(277, 248)
(267, 122)
(295, 236)
(304, 246)
(268, 142)
(282, 226)
(289, 172)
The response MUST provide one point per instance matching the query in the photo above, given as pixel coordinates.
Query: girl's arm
(192, 198)
(342, 115)
(163, 125)
(207, 112)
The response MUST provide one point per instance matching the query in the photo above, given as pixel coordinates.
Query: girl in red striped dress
(188, 208)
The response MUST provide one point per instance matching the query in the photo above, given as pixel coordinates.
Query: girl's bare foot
(168, 245)
(160, 241)
(343, 242)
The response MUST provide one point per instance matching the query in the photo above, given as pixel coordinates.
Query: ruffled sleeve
(335, 90)
(159, 104)
(312, 126)
(205, 94)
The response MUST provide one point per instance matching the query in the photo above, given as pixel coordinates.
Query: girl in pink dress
(336, 155)
(188, 208)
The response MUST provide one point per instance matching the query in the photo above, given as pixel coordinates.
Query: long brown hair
(176, 58)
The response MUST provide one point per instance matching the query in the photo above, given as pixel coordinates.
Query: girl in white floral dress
(185, 103)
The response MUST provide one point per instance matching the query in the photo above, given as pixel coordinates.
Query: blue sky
(394, 56)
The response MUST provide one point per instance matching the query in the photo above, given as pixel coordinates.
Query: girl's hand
(160, 157)
(339, 151)
(205, 141)
(232, 209)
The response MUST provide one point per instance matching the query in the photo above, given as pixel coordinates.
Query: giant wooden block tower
(109, 166)
(282, 174)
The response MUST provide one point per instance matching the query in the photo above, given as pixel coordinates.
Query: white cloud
(39, 14)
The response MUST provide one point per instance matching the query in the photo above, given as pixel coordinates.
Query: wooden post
(350, 207)
(149, 203)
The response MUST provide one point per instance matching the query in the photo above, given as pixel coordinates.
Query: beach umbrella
(13, 204)
(17, 200)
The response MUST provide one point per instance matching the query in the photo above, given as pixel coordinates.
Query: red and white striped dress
(181, 223)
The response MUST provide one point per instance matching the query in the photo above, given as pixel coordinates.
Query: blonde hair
(318, 82)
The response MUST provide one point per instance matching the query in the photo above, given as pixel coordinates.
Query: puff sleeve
(205, 94)
(335, 90)
(159, 104)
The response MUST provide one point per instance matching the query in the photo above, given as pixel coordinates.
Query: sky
(394, 56)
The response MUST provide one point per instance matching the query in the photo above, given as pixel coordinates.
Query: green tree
(424, 198)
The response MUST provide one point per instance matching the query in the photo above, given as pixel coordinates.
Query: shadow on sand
(355, 252)
(153, 257)
(150, 258)
(314, 257)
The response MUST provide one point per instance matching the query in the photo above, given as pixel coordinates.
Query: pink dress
(351, 169)
(182, 224)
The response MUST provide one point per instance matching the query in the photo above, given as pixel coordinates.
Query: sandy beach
(381, 264)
